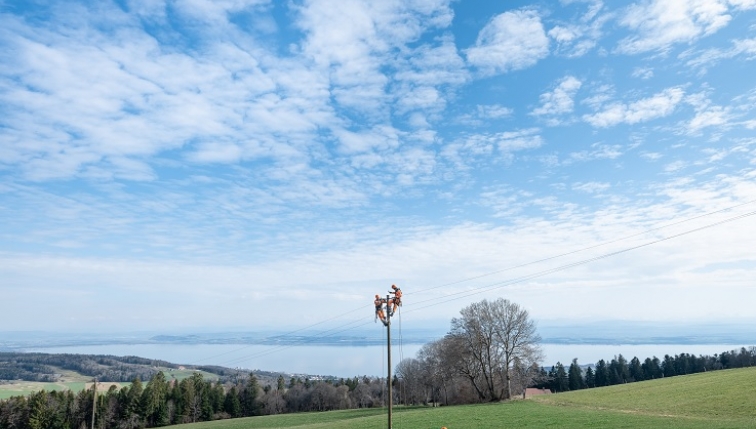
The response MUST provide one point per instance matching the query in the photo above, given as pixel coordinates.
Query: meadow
(720, 399)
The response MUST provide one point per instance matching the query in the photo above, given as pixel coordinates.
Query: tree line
(618, 370)
(163, 402)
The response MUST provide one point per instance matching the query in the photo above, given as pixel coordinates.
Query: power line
(583, 249)
(497, 285)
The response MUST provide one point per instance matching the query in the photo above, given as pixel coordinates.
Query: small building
(534, 391)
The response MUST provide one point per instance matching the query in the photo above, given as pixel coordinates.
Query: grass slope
(720, 399)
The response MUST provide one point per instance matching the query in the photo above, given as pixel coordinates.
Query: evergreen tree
(131, 408)
(623, 370)
(154, 400)
(590, 378)
(575, 376)
(636, 371)
(250, 403)
(552, 379)
(42, 412)
(231, 404)
(177, 399)
(668, 366)
(561, 383)
(602, 374)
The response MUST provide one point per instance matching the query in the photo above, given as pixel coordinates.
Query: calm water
(347, 361)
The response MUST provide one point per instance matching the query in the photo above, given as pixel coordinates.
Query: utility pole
(94, 400)
(388, 382)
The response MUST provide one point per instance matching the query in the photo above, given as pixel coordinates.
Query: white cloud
(90, 102)
(659, 24)
(656, 106)
(591, 187)
(379, 139)
(707, 114)
(467, 152)
(483, 114)
(709, 57)
(597, 151)
(576, 38)
(675, 166)
(713, 116)
(510, 41)
(560, 100)
(651, 156)
(643, 73)
(354, 53)
(493, 111)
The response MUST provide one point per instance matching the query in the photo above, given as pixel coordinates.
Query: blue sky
(215, 164)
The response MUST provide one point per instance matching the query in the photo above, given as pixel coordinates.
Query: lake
(350, 361)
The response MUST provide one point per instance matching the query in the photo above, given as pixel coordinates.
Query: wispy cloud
(485, 113)
(659, 24)
(576, 39)
(709, 57)
(643, 73)
(591, 187)
(646, 109)
(560, 100)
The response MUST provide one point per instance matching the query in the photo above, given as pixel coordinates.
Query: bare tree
(362, 397)
(410, 373)
(436, 375)
(518, 336)
(463, 356)
(497, 337)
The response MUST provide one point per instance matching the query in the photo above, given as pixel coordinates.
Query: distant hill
(45, 367)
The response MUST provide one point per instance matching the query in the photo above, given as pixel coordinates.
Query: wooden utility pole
(388, 381)
(94, 401)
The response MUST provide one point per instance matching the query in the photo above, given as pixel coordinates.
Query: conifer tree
(575, 376)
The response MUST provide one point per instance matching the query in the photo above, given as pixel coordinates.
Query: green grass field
(720, 399)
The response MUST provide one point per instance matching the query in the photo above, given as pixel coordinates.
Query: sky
(257, 164)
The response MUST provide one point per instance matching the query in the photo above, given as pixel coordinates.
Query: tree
(231, 404)
(636, 371)
(411, 370)
(131, 408)
(590, 378)
(561, 382)
(495, 334)
(153, 401)
(43, 413)
(651, 369)
(602, 374)
(436, 375)
(249, 402)
(575, 376)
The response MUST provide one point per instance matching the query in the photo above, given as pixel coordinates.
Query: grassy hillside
(728, 394)
(720, 399)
